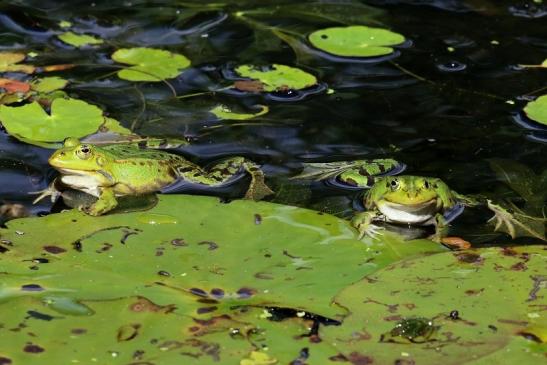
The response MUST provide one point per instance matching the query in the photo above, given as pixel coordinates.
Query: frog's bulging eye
(426, 184)
(394, 184)
(83, 152)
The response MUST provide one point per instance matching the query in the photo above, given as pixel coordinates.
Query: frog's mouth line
(412, 207)
(71, 172)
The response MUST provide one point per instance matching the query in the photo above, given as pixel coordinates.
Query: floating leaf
(149, 64)
(9, 63)
(225, 113)
(459, 291)
(182, 276)
(14, 86)
(278, 77)
(65, 24)
(537, 110)
(61, 67)
(69, 118)
(79, 40)
(48, 84)
(355, 41)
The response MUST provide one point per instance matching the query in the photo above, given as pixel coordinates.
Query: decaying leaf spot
(469, 257)
(14, 86)
(33, 349)
(212, 245)
(128, 332)
(31, 287)
(253, 86)
(145, 305)
(245, 293)
(54, 249)
(456, 243)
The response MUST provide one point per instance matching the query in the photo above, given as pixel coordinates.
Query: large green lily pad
(68, 117)
(149, 64)
(191, 277)
(355, 41)
(496, 292)
(537, 110)
(278, 77)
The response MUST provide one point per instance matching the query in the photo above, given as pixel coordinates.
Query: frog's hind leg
(225, 170)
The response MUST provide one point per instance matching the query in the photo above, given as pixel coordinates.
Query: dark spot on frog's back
(54, 249)
(31, 287)
(5, 361)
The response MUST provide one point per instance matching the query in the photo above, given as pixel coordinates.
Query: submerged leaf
(225, 113)
(355, 41)
(278, 77)
(68, 118)
(149, 64)
(79, 40)
(537, 110)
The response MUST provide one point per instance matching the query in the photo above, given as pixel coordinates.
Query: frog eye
(84, 152)
(426, 184)
(394, 184)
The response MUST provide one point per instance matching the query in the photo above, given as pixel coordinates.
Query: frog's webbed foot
(51, 190)
(106, 202)
(441, 228)
(363, 223)
(257, 188)
(517, 223)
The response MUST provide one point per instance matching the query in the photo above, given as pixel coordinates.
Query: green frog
(116, 170)
(412, 200)
(422, 201)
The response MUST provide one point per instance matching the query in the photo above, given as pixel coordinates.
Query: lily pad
(278, 77)
(9, 62)
(225, 113)
(537, 110)
(79, 40)
(69, 117)
(183, 277)
(149, 64)
(478, 299)
(355, 41)
(48, 84)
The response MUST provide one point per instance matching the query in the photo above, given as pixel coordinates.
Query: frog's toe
(370, 230)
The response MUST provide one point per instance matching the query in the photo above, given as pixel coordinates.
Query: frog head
(410, 191)
(76, 156)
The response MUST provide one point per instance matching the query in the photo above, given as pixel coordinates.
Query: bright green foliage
(537, 110)
(79, 40)
(278, 77)
(48, 84)
(68, 118)
(355, 41)
(149, 64)
(495, 291)
(184, 277)
(225, 113)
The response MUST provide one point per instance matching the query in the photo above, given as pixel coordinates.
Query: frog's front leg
(105, 203)
(441, 228)
(226, 169)
(363, 223)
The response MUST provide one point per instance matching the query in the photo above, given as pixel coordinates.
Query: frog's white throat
(85, 181)
(418, 214)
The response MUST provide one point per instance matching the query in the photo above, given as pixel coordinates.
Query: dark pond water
(446, 103)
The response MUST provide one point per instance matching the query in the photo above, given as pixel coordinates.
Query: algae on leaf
(278, 77)
(68, 118)
(149, 64)
(355, 41)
